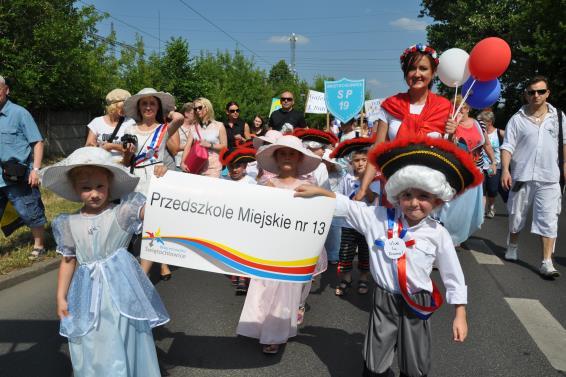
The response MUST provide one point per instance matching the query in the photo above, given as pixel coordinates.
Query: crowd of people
(420, 178)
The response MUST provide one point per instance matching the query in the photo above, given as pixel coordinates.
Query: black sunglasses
(286, 99)
(232, 111)
(198, 108)
(539, 91)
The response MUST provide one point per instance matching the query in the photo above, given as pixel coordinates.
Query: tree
(47, 47)
(533, 28)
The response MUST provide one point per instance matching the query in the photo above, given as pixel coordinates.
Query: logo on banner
(344, 98)
(155, 237)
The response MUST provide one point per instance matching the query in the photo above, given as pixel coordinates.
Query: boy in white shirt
(421, 173)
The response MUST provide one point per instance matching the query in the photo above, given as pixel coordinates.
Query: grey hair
(487, 116)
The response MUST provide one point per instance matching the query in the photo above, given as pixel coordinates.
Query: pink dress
(270, 311)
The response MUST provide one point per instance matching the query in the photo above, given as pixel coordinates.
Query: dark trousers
(350, 241)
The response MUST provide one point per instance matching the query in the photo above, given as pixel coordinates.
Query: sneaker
(490, 213)
(37, 253)
(547, 269)
(511, 253)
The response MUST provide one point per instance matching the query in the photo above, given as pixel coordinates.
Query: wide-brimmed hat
(270, 137)
(308, 135)
(131, 104)
(56, 178)
(326, 157)
(352, 145)
(439, 155)
(117, 95)
(265, 156)
(236, 155)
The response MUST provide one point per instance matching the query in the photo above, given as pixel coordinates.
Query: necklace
(539, 117)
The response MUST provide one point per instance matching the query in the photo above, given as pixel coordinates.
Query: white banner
(372, 107)
(316, 103)
(233, 228)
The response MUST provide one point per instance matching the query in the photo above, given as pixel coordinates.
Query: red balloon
(489, 58)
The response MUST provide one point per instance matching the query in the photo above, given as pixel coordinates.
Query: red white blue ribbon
(151, 151)
(421, 311)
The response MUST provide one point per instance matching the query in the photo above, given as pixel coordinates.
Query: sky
(354, 39)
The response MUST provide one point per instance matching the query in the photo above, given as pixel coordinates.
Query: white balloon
(453, 67)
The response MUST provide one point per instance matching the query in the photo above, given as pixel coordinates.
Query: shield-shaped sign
(344, 98)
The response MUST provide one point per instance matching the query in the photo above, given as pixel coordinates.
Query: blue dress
(112, 303)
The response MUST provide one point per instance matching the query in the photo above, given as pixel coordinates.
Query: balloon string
(454, 102)
(463, 100)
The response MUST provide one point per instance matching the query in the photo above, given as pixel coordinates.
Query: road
(516, 322)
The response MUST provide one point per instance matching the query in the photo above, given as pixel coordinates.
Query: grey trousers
(393, 327)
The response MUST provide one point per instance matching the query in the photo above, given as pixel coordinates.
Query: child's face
(417, 204)
(93, 186)
(237, 171)
(287, 159)
(359, 163)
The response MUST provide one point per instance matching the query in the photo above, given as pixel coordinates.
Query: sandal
(363, 287)
(270, 349)
(342, 288)
(36, 253)
(301, 315)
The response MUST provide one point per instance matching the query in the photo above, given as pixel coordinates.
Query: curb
(27, 273)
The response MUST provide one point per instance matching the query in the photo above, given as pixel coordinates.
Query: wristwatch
(36, 169)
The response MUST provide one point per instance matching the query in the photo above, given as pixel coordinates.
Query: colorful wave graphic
(292, 271)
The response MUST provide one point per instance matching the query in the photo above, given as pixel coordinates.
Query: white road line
(482, 253)
(545, 330)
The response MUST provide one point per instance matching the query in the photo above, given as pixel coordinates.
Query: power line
(223, 31)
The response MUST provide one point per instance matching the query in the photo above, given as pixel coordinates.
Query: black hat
(236, 155)
(352, 145)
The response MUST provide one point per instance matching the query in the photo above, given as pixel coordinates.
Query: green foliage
(533, 28)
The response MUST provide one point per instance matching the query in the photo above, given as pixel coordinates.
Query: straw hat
(56, 179)
(270, 137)
(265, 156)
(131, 104)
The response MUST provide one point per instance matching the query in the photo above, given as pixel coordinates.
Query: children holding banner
(421, 173)
(270, 311)
(106, 304)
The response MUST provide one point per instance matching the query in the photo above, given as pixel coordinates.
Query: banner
(275, 105)
(232, 228)
(316, 103)
(344, 98)
(372, 107)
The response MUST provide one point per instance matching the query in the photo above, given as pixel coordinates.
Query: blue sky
(354, 39)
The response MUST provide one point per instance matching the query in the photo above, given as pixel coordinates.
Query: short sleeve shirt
(18, 131)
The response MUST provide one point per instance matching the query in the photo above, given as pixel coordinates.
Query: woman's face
(233, 112)
(148, 107)
(287, 159)
(120, 108)
(463, 113)
(200, 110)
(419, 74)
(189, 116)
(257, 122)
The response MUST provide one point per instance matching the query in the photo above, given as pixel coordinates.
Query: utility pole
(293, 40)
(113, 36)
(159, 31)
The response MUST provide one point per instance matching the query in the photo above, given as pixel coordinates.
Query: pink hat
(265, 156)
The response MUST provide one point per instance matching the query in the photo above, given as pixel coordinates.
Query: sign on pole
(316, 103)
(344, 98)
(372, 107)
(232, 228)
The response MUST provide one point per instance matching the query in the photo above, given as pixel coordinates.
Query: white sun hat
(326, 157)
(131, 104)
(270, 137)
(56, 178)
(266, 159)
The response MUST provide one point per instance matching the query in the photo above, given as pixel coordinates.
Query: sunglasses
(539, 91)
(232, 111)
(286, 99)
(198, 108)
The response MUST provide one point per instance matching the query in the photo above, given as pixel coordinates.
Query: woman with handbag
(205, 141)
(149, 137)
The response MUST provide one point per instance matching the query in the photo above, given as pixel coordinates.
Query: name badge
(394, 248)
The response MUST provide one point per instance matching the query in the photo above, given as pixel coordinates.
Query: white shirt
(432, 244)
(320, 175)
(100, 128)
(394, 123)
(534, 149)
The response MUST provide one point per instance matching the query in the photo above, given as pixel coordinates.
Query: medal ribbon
(154, 145)
(421, 311)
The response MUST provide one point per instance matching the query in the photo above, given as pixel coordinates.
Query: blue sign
(344, 98)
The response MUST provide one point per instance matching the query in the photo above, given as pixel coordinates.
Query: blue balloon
(483, 94)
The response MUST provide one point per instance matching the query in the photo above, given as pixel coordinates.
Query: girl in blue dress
(106, 304)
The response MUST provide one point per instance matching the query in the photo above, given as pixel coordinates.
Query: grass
(14, 250)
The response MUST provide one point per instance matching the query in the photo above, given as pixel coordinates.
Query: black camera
(106, 138)
(129, 139)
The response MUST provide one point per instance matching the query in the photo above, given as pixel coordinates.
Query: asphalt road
(516, 322)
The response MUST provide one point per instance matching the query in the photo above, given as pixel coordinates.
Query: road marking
(545, 330)
(482, 253)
